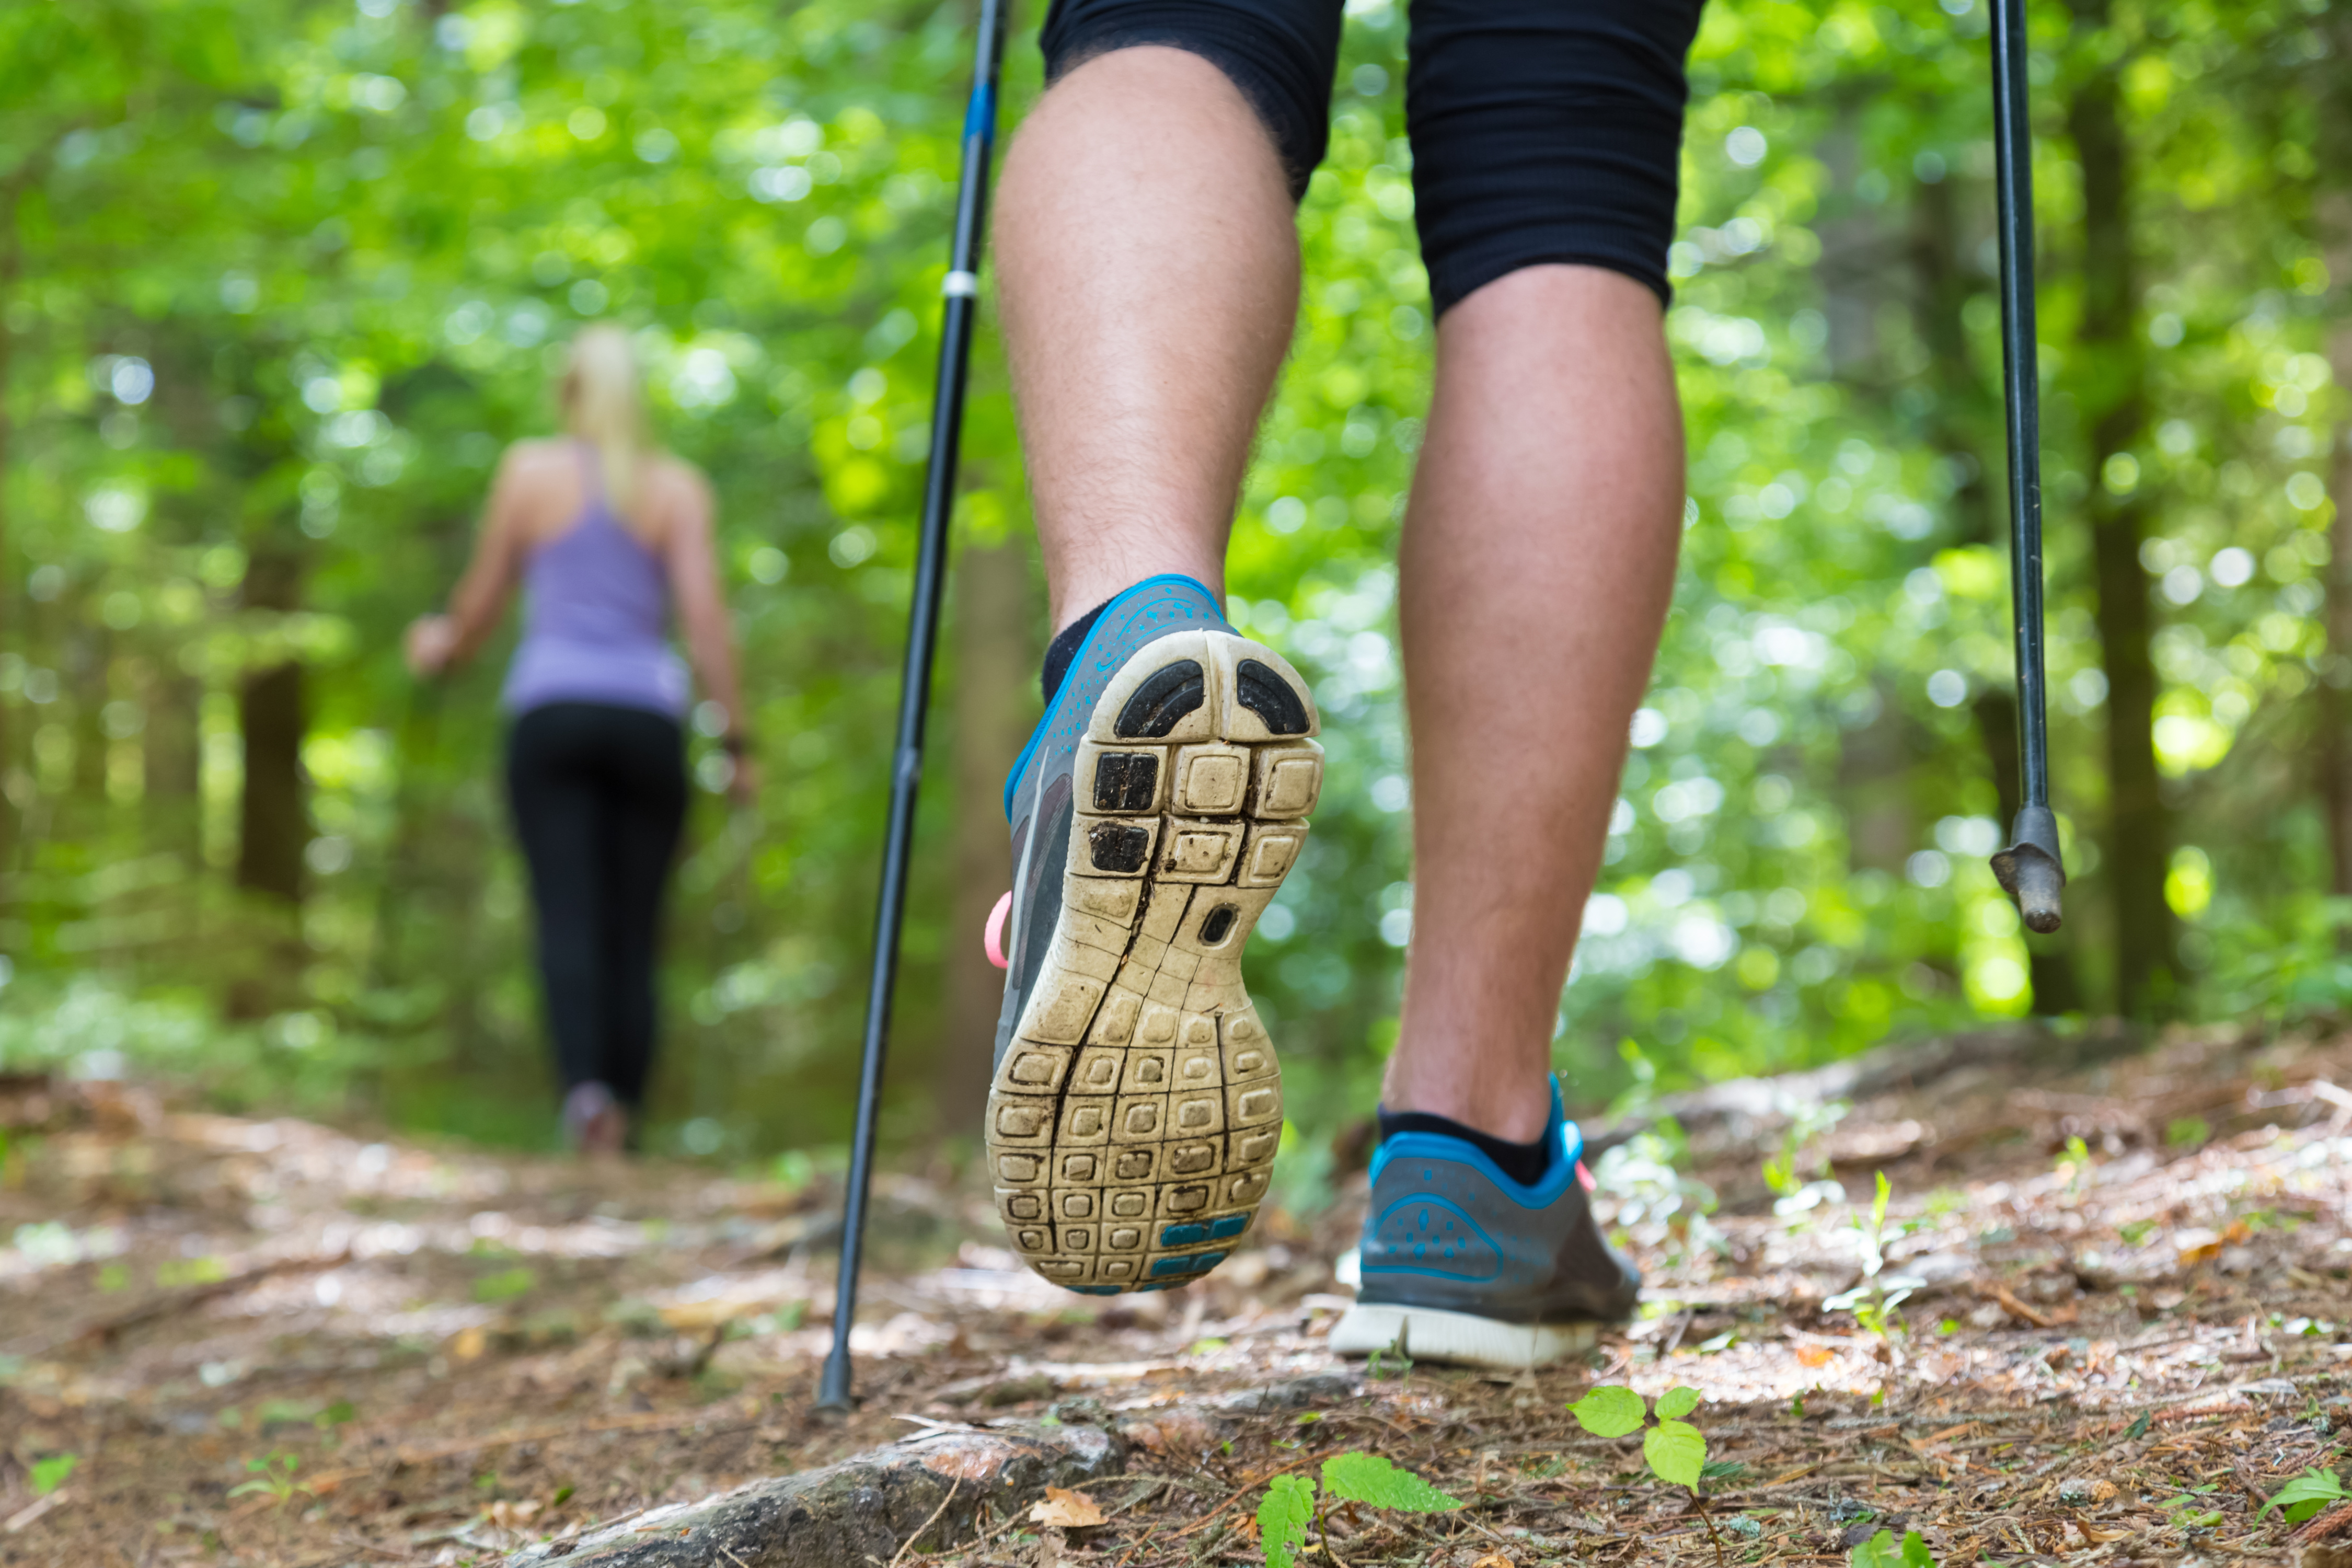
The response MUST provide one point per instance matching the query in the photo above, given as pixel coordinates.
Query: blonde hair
(603, 407)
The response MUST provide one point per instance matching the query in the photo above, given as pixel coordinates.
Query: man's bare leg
(1539, 558)
(1148, 267)
(1148, 273)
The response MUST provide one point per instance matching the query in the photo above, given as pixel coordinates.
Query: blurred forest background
(279, 279)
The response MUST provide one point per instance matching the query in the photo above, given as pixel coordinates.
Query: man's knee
(1280, 54)
(1546, 130)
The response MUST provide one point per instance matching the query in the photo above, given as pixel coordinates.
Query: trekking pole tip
(832, 1386)
(2039, 883)
(2030, 871)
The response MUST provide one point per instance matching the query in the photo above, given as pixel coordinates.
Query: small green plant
(2074, 1164)
(505, 1285)
(1787, 1172)
(49, 1474)
(1880, 1552)
(793, 1171)
(2187, 1133)
(273, 1474)
(1392, 1362)
(1872, 1302)
(1649, 1174)
(1675, 1450)
(2308, 1494)
(1289, 1505)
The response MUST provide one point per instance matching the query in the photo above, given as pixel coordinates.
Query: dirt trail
(272, 1343)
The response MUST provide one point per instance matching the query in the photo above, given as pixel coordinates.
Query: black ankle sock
(1064, 647)
(1526, 1164)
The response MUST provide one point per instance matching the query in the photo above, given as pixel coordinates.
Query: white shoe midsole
(1425, 1334)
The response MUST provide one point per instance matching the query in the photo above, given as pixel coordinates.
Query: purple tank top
(597, 611)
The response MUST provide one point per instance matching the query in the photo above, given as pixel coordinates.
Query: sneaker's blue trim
(1442, 1146)
(1481, 1260)
(1053, 713)
(1192, 1233)
(1191, 1263)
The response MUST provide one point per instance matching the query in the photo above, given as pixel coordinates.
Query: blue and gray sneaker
(1137, 1104)
(1460, 1263)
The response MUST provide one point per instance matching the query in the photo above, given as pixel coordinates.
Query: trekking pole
(2029, 870)
(961, 291)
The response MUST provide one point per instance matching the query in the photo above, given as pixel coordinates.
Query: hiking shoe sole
(1459, 1339)
(1133, 1116)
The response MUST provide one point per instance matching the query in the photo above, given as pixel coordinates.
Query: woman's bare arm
(691, 556)
(479, 602)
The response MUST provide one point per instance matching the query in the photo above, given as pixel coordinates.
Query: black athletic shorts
(1542, 130)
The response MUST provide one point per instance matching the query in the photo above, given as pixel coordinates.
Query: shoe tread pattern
(1133, 1120)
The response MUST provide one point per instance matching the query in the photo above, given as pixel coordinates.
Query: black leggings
(1542, 130)
(599, 795)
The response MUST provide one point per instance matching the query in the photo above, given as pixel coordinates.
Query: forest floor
(272, 1343)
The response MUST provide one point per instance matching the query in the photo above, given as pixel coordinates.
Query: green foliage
(273, 1475)
(1880, 1552)
(49, 1474)
(281, 280)
(1808, 1119)
(505, 1285)
(1677, 1403)
(2306, 1495)
(1370, 1479)
(1282, 1516)
(1872, 1302)
(1675, 1450)
(1288, 1506)
(1611, 1410)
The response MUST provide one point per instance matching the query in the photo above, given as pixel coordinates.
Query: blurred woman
(611, 535)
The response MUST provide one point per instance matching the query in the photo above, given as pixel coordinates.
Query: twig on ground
(1159, 1486)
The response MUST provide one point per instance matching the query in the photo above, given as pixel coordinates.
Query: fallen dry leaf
(1494, 1560)
(1064, 1510)
(1815, 1355)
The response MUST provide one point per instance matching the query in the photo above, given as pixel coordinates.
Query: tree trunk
(90, 652)
(12, 261)
(273, 826)
(2113, 389)
(2336, 700)
(172, 755)
(995, 681)
(2334, 211)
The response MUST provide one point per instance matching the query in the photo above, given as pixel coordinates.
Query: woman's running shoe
(1137, 1104)
(1461, 1262)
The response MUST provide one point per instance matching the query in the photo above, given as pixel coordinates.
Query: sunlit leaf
(1369, 1478)
(1609, 1411)
(1677, 1451)
(1282, 1515)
